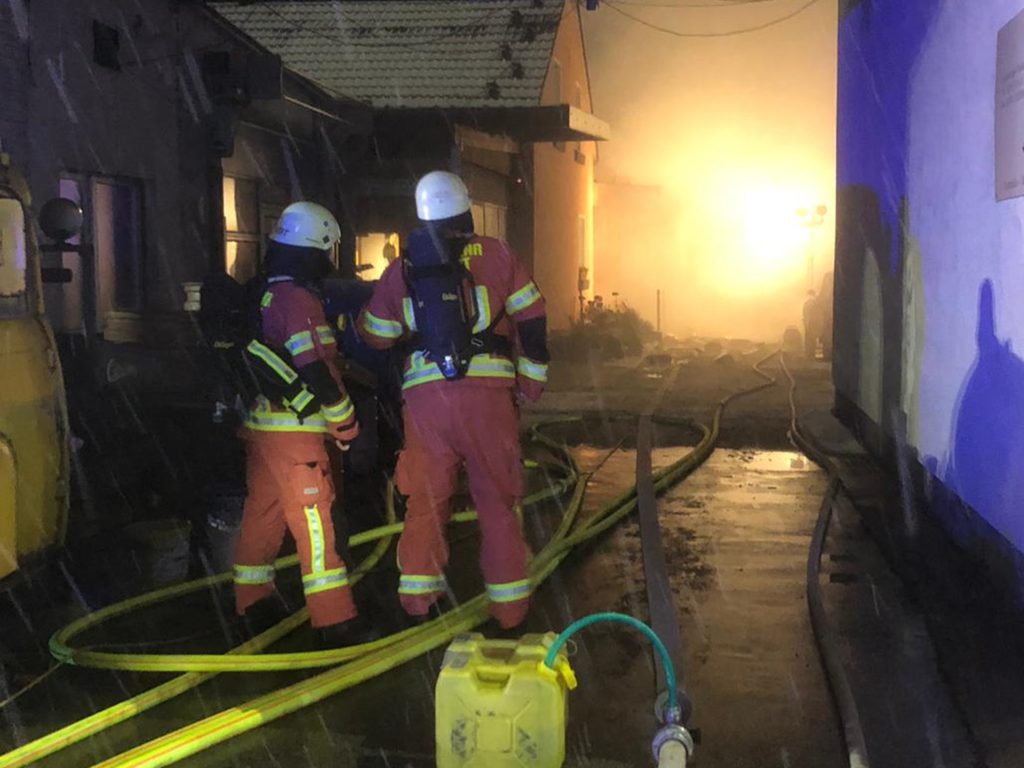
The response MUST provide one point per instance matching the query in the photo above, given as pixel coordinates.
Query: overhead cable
(730, 33)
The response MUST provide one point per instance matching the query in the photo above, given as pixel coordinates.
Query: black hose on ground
(824, 635)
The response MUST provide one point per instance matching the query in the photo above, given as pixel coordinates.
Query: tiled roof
(411, 53)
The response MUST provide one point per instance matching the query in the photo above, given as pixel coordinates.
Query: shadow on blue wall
(985, 460)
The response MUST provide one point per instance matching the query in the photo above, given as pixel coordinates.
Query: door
(117, 228)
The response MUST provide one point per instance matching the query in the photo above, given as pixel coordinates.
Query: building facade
(496, 91)
(147, 117)
(928, 320)
(181, 139)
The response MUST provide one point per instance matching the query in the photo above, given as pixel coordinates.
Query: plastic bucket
(223, 522)
(160, 550)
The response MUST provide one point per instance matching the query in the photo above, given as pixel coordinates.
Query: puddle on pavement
(774, 461)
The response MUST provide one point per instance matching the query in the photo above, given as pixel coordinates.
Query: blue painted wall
(930, 267)
(879, 42)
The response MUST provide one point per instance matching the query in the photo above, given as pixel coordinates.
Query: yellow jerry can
(499, 706)
(33, 419)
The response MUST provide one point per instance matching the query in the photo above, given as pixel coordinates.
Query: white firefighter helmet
(441, 195)
(308, 225)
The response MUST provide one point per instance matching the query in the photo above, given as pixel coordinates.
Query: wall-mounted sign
(1009, 110)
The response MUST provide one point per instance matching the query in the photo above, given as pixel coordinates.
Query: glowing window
(241, 228)
(374, 251)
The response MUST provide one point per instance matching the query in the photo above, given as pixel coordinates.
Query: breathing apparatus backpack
(245, 366)
(444, 302)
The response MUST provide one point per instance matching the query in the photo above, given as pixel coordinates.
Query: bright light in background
(737, 133)
(759, 245)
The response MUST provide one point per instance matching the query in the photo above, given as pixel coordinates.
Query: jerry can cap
(561, 671)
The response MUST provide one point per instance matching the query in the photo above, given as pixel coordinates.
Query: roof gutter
(554, 122)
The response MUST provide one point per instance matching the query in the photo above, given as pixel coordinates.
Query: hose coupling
(672, 732)
(667, 715)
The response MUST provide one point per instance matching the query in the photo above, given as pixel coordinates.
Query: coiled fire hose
(351, 666)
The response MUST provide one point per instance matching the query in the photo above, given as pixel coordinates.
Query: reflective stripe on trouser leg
(417, 593)
(509, 592)
(253, 574)
(421, 585)
(314, 583)
(310, 492)
(325, 578)
(489, 440)
(509, 601)
(261, 533)
(427, 473)
(316, 539)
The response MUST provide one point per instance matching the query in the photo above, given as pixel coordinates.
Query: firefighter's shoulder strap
(455, 277)
(230, 322)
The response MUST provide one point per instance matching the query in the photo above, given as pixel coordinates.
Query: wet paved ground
(736, 534)
(759, 693)
(937, 655)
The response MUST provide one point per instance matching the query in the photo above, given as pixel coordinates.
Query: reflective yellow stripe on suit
(254, 574)
(385, 329)
(312, 583)
(317, 546)
(421, 585)
(509, 592)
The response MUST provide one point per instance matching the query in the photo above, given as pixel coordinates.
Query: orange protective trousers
(447, 427)
(288, 475)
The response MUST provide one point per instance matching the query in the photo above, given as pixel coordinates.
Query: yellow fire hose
(357, 663)
(100, 721)
(243, 658)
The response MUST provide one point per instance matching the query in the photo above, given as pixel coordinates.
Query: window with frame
(117, 243)
(494, 220)
(106, 45)
(490, 220)
(113, 280)
(241, 228)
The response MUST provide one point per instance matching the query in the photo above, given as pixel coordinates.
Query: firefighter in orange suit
(474, 325)
(287, 467)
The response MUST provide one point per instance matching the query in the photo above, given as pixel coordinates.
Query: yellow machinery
(34, 464)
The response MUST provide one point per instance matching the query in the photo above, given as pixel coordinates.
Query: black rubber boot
(261, 616)
(435, 611)
(352, 632)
